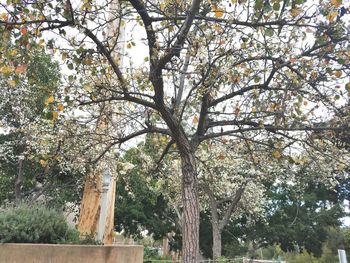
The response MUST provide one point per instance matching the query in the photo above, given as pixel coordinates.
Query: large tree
(266, 71)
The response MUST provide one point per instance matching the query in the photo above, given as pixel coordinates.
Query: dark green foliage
(295, 221)
(138, 206)
(150, 254)
(35, 224)
(298, 219)
(205, 235)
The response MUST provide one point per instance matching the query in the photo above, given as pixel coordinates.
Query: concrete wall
(47, 253)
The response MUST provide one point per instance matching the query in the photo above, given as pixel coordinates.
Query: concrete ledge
(53, 253)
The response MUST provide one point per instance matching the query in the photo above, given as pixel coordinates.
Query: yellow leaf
(314, 75)
(88, 61)
(64, 55)
(129, 45)
(347, 86)
(276, 154)
(338, 73)
(336, 3)
(195, 119)
(43, 163)
(37, 31)
(6, 70)
(219, 12)
(162, 7)
(42, 43)
(87, 88)
(4, 16)
(331, 16)
(273, 106)
(217, 27)
(49, 100)
(54, 115)
(253, 109)
(60, 107)
(12, 82)
(340, 167)
(154, 140)
(21, 68)
(295, 12)
(279, 145)
(13, 52)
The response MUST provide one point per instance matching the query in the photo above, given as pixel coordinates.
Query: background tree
(29, 80)
(254, 69)
(228, 193)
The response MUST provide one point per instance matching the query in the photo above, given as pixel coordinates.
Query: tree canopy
(271, 73)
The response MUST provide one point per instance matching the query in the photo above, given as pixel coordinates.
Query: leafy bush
(36, 224)
(151, 254)
(88, 240)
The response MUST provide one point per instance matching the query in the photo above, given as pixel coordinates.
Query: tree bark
(216, 224)
(190, 222)
(18, 182)
(216, 241)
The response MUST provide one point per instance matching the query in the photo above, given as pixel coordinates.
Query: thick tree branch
(151, 36)
(164, 153)
(270, 128)
(181, 35)
(232, 207)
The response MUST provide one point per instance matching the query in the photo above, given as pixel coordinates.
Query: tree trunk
(216, 241)
(190, 220)
(18, 182)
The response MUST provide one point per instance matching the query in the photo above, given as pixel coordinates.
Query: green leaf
(267, 7)
(269, 32)
(276, 6)
(258, 4)
(298, 2)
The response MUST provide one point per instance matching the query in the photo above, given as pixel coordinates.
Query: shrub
(36, 224)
